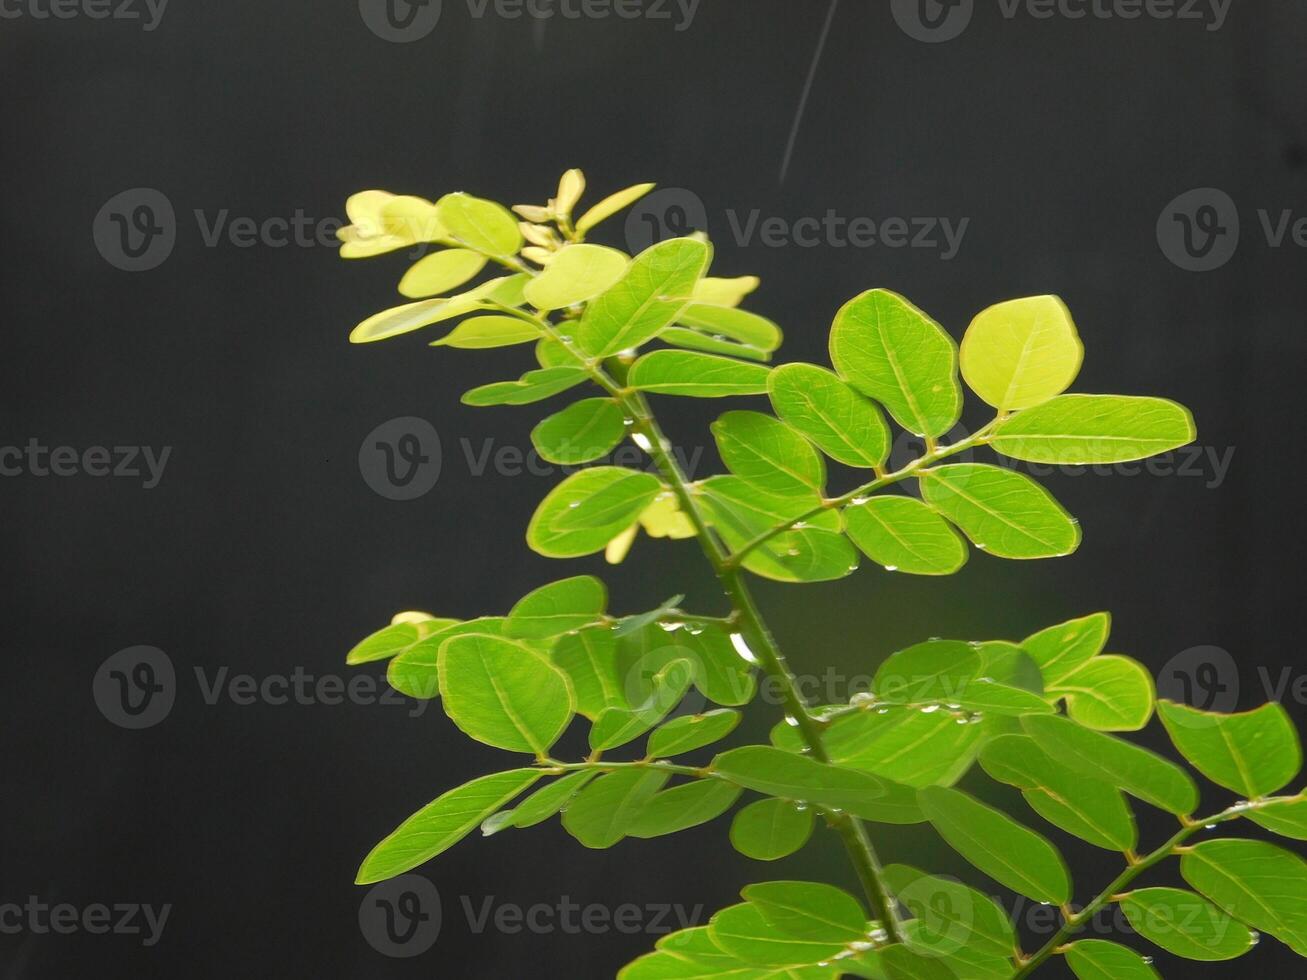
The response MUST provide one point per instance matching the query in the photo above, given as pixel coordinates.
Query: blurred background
(185, 428)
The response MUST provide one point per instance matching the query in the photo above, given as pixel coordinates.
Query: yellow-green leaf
(440, 272)
(1080, 429)
(1002, 512)
(575, 274)
(480, 224)
(1253, 752)
(1021, 353)
(1111, 694)
(590, 507)
(905, 535)
(610, 205)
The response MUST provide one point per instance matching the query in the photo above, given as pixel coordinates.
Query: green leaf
(556, 608)
(775, 772)
(964, 961)
(769, 829)
(484, 332)
(936, 670)
(648, 298)
(610, 205)
(1253, 753)
(442, 823)
(1111, 694)
(1185, 924)
(1061, 650)
(904, 535)
(1139, 772)
(716, 291)
(1089, 808)
(588, 509)
(533, 386)
(582, 432)
(768, 454)
(726, 321)
(545, 802)
(1098, 959)
(683, 807)
(1002, 512)
(1257, 883)
(575, 274)
(604, 812)
(755, 510)
(697, 340)
(1080, 429)
(719, 672)
(395, 639)
(844, 425)
(504, 693)
(809, 910)
(951, 913)
(409, 317)
(1288, 818)
(553, 353)
(415, 672)
(742, 931)
(617, 726)
(440, 272)
(906, 745)
(695, 375)
(902, 963)
(810, 554)
(480, 224)
(1020, 353)
(589, 658)
(690, 732)
(890, 351)
(996, 844)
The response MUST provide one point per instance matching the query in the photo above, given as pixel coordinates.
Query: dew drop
(792, 721)
(1254, 939)
(742, 648)
(930, 709)
(891, 568)
(1148, 960)
(641, 440)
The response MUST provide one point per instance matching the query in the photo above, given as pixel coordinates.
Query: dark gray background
(263, 550)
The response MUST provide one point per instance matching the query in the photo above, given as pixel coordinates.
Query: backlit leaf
(1021, 353)
(1098, 959)
(1002, 512)
(1185, 924)
(604, 812)
(683, 807)
(440, 272)
(504, 693)
(892, 352)
(695, 375)
(690, 732)
(798, 778)
(727, 321)
(742, 931)
(575, 274)
(480, 224)
(558, 607)
(700, 341)
(485, 332)
(415, 672)
(394, 639)
(584, 431)
(1139, 772)
(649, 297)
(582, 513)
(1253, 753)
(1061, 650)
(1258, 883)
(770, 829)
(843, 424)
(996, 844)
(768, 454)
(950, 912)
(589, 658)
(1111, 694)
(547, 801)
(533, 386)
(610, 205)
(1079, 429)
(905, 535)
(809, 910)
(442, 823)
(1288, 818)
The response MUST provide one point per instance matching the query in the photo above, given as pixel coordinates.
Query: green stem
(554, 766)
(751, 624)
(935, 454)
(1072, 923)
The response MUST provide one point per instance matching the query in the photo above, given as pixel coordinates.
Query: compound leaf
(768, 454)
(605, 810)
